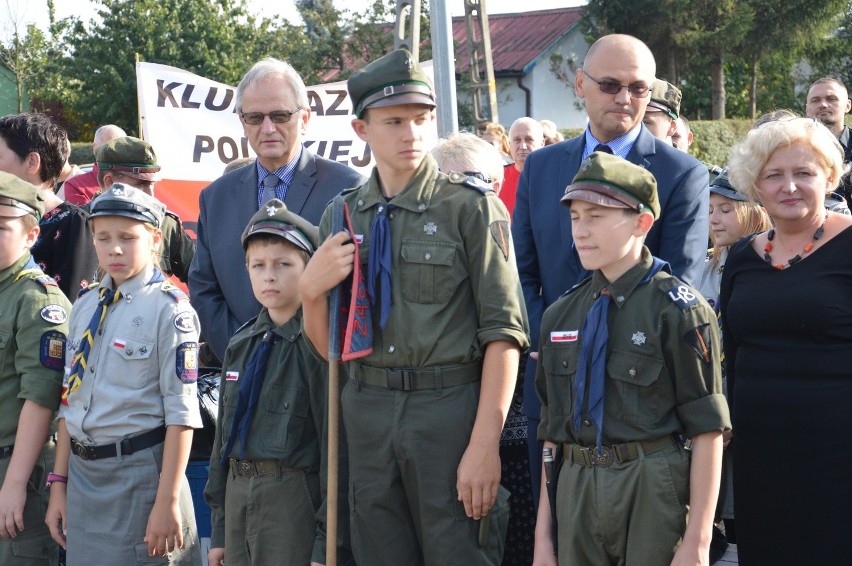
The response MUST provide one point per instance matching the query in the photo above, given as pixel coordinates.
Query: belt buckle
(82, 451)
(246, 469)
(604, 459)
(399, 379)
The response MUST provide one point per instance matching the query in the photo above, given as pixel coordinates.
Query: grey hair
(269, 67)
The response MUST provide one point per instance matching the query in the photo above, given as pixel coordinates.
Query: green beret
(274, 218)
(130, 202)
(128, 155)
(393, 79)
(666, 97)
(608, 180)
(19, 198)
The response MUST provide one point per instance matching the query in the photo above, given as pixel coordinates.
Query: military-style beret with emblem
(666, 97)
(722, 186)
(393, 79)
(127, 201)
(608, 180)
(19, 198)
(128, 155)
(274, 218)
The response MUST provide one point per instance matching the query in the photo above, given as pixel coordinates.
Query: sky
(28, 11)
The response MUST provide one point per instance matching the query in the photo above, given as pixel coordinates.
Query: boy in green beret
(33, 331)
(423, 412)
(628, 365)
(264, 484)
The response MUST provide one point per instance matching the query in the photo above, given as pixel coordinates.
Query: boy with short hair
(628, 364)
(33, 332)
(264, 484)
(423, 412)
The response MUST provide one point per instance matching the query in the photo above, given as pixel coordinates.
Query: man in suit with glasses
(272, 104)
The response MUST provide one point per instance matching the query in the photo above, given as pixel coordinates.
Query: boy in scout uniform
(133, 162)
(629, 363)
(423, 412)
(33, 327)
(264, 483)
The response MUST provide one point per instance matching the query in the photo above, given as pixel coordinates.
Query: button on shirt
(285, 174)
(131, 385)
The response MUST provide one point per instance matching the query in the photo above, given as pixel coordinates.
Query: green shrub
(714, 139)
(81, 153)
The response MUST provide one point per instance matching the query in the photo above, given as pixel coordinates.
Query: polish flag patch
(564, 336)
(232, 375)
(119, 343)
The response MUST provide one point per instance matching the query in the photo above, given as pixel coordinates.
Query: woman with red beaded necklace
(786, 300)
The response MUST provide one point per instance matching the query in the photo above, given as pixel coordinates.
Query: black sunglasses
(637, 90)
(278, 117)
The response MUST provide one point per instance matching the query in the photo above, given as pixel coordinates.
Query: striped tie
(78, 368)
(269, 183)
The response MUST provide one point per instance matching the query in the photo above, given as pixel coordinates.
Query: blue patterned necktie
(592, 363)
(269, 183)
(379, 263)
(248, 395)
(81, 357)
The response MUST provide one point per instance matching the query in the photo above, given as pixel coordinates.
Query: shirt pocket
(427, 271)
(560, 366)
(287, 410)
(635, 395)
(130, 362)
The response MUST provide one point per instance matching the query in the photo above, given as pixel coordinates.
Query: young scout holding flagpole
(423, 412)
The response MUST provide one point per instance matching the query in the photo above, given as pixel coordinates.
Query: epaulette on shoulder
(173, 215)
(173, 292)
(38, 276)
(247, 323)
(349, 190)
(85, 289)
(577, 286)
(470, 182)
(681, 294)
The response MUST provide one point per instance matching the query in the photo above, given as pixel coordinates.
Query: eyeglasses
(277, 117)
(636, 90)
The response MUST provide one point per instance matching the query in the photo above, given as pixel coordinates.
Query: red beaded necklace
(796, 258)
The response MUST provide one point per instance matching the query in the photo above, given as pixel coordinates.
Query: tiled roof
(518, 39)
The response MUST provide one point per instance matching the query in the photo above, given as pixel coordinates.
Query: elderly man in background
(525, 136)
(272, 104)
(81, 189)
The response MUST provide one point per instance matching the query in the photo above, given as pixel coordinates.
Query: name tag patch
(564, 336)
(232, 375)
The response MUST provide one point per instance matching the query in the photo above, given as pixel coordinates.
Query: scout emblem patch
(54, 314)
(52, 350)
(638, 338)
(564, 336)
(351, 318)
(186, 362)
(500, 232)
(699, 340)
(271, 210)
(184, 322)
(430, 228)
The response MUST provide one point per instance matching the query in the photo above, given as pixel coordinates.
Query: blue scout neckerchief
(379, 262)
(592, 362)
(249, 395)
(81, 356)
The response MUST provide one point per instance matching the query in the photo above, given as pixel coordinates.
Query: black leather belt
(409, 379)
(615, 454)
(6, 451)
(123, 448)
(253, 468)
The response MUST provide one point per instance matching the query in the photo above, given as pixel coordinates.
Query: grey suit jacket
(219, 286)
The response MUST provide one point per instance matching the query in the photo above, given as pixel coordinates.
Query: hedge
(81, 153)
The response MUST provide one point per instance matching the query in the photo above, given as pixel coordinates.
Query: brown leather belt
(615, 454)
(256, 468)
(410, 379)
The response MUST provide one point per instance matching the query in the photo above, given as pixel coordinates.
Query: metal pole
(444, 67)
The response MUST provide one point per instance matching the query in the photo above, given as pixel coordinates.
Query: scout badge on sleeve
(350, 312)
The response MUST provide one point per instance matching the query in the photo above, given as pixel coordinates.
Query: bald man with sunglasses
(272, 105)
(614, 82)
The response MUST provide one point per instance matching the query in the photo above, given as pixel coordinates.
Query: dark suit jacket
(541, 226)
(219, 286)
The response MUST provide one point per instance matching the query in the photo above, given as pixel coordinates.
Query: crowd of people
(542, 361)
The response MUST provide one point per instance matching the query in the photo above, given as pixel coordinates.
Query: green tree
(218, 39)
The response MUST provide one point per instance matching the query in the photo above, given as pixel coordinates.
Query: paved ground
(730, 556)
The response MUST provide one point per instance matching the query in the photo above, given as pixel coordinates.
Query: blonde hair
(502, 137)
(469, 152)
(749, 157)
(751, 219)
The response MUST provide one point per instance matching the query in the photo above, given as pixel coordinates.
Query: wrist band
(51, 478)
